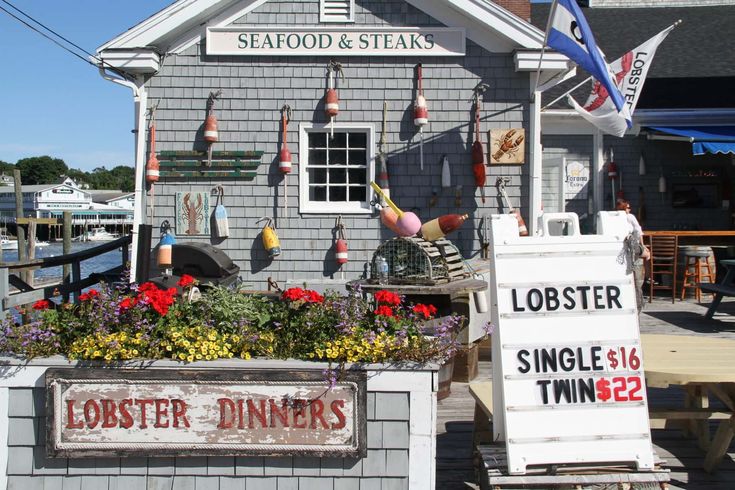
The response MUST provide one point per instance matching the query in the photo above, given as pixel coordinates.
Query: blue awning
(704, 139)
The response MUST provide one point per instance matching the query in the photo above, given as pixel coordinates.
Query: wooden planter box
(400, 452)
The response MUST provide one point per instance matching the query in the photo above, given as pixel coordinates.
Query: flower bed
(144, 322)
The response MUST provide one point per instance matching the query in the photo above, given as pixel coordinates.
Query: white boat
(99, 234)
(8, 244)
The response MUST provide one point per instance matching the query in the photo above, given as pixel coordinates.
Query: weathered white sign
(569, 387)
(576, 178)
(314, 41)
(237, 413)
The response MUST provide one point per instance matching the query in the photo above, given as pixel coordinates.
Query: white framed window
(335, 171)
(336, 10)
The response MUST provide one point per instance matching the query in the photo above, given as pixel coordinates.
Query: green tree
(41, 170)
(6, 168)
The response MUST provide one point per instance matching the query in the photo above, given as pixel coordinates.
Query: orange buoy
(439, 227)
(340, 246)
(211, 135)
(331, 102)
(152, 167)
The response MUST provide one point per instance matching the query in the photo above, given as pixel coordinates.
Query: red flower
(92, 293)
(427, 311)
(186, 280)
(42, 304)
(293, 294)
(384, 310)
(147, 286)
(387, 298)
(313, 297)
(158, 299)
(84, 297)
(127, 303)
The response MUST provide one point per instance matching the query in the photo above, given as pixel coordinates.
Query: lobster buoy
(271, 243)
(164, 258)
(284, 156)
(152, 167)
(340, 247)
(612, 170)
(211, 135)
(332, 102)
(420, 109)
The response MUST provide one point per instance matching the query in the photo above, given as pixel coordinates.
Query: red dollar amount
(624, 357)
(619, 389)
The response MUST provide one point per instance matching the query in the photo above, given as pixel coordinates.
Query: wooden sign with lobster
(507, 146)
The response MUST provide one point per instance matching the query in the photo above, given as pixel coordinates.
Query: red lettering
(317, 409)
(258, 414)
(70, 423)
(299, 411)
(224, 421)
(241, 414)
(109, 419)
(142, 404)
(126, 420)
(92, 419)
(179, 409)
(161, 413)
(281, 413)
(337, 406)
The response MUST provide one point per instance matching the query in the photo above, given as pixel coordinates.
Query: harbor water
(99, 263)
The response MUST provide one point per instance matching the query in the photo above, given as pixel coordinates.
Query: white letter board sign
(568, 383)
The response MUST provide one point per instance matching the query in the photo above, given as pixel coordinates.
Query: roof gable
(184, 23)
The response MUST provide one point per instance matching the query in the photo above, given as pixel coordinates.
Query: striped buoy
(152, 167)
(420, 109)
(211, 135)
(164, 257)
(340, 247)
(331, 101)
(284, 156)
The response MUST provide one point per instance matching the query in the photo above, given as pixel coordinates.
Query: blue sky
(52, 102)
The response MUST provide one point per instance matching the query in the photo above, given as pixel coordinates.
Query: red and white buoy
(420, 112)
(284, 156)
(152, 167)
(612, 174)
(331, 99)
(340, 246)
(211, 132)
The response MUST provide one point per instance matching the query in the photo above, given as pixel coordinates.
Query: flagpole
(543, 48)
(667, 30)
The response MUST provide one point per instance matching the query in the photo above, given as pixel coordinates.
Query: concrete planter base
(401, 438)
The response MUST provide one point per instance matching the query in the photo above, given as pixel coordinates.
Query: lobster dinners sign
(127, 412)
(315, 41)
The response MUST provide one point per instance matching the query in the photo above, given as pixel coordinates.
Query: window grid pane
(343, 161)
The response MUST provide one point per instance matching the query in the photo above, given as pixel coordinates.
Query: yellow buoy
(271, 243)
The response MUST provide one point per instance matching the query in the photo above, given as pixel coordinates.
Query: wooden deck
(683, 457)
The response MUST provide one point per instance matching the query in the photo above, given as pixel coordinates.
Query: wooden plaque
(126, 412)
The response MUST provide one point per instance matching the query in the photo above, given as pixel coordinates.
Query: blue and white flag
(570, 34)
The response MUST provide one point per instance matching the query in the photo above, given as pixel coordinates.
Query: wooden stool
(697, 267)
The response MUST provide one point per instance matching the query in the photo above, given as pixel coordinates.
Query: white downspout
(140, 98)
(536, 170)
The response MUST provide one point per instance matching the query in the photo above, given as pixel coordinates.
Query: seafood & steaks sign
(165, 412)
(309, 41)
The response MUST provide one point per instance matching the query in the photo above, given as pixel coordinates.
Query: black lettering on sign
(595, 354)
(514, 295)
(525, 365)
(613, 293)
(599, 305)
(552, 299)
(566, 359)
(544, 384)
(535, 300)
(569, 296)
(548, 360)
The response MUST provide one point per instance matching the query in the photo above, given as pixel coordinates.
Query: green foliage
(41, 170)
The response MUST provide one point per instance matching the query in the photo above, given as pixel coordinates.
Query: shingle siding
(255, 88)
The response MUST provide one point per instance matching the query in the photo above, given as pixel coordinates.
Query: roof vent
(337, 11)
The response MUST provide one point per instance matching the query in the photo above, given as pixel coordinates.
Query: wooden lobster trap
(414, 260)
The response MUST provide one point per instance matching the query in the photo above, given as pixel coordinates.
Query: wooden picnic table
(704, 367)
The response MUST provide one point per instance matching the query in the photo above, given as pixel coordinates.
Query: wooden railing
(11, 272)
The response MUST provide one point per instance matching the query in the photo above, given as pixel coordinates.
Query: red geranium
(427, 311)
(384, 310)
(387, 298)
(127, 303)
(88, 295)
(159, 300)
(186, 280)
(313, 297)
(293, 294)
(42, 304)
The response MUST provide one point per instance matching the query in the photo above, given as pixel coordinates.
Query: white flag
(630, 72)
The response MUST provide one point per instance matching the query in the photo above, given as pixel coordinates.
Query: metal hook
(165, 227)
(268, 221)
(479, 89)
(336, 67)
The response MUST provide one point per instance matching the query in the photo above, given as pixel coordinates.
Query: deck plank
(455, 470)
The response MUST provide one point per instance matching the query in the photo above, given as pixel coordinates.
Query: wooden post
(31, 248)
(66, 231)
(19, 231)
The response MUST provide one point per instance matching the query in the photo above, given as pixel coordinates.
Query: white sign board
(315, 41)
(569, 385)
(576, 178)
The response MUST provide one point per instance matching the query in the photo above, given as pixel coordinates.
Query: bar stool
(697, 267)
(664, 251)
